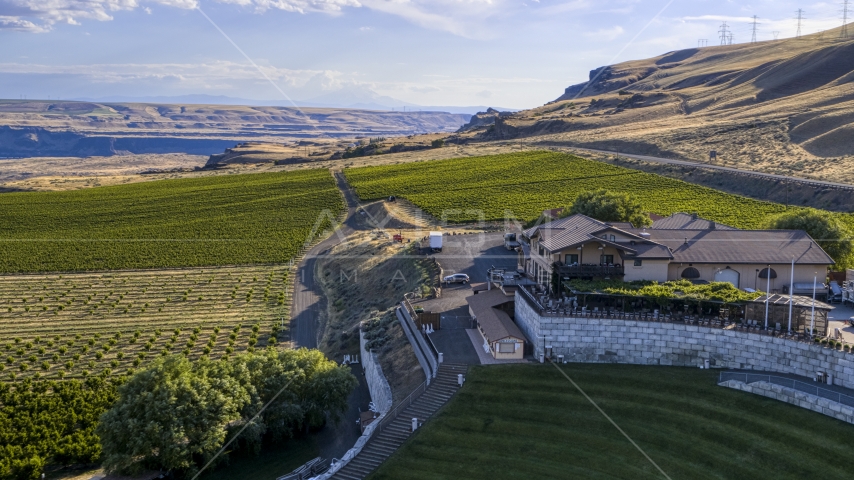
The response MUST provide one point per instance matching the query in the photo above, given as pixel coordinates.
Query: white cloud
(718, 18)
(298, 6)
(17, 24)
(461, 17)
(41, 15)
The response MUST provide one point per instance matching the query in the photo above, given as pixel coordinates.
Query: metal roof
(718, 245)
(684, 221)
(496, 324)
(577, 229)
(760, 247)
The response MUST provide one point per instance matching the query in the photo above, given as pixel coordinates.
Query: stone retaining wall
(374, 377)
(597, 340)
(795, 397)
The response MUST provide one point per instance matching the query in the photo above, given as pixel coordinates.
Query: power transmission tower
(755, 24)
(844, 33)
(800, 21)
(729, 37)
(702, 43)
(776, 35)
(725, 34)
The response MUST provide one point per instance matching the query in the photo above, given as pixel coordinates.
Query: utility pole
(702, 43)
(755, 24)
(800, 21)
(844, 33)
(724, 33)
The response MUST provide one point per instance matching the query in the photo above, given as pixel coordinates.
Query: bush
(609, 207)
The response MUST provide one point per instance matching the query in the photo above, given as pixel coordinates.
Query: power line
(755, 24)
(844, 33)
(800, 21)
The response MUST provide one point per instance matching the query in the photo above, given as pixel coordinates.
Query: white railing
(748, 378)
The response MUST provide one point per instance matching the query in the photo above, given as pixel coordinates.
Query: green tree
(824, 227)
(609, 207)
(176, 415)
(170, 416)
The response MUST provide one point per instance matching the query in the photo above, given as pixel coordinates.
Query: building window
(542, 251)
(613, 238)
(571, 259)
(606, 259)
(506, 348)
(638, 263)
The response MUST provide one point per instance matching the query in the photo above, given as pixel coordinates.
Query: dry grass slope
(779, 106)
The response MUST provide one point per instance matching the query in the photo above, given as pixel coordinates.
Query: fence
(310, 469)
(407, 312)
(804, 387)
(401, 406)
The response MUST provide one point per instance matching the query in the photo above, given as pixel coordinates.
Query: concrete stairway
(386, 442)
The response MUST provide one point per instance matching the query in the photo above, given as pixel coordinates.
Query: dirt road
(669, 161)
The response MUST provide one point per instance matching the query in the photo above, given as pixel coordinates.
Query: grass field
(59, 324)
(526, 183)
(528, 421)
(222, 220)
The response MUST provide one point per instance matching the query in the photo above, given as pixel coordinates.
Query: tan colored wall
(650, 270)
(748, 274)
(517, 355)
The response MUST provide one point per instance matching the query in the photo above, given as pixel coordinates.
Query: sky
(504, 53)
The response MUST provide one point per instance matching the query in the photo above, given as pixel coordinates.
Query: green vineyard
(522, 185)
(221, 220)
(73, 325)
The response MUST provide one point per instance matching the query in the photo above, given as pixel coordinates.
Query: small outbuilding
(502, 338)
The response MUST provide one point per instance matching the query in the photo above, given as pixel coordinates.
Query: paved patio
(838, 318)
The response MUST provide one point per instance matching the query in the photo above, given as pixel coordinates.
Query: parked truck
(510, 241)
(436, 241)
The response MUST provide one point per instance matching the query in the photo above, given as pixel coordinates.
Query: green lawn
(528, 421)
(220, 220)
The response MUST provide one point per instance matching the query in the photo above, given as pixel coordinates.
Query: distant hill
(60, 128)
(783, 106)
(336, 101)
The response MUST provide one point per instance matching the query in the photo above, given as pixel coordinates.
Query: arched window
(768, 271)
(690, 273)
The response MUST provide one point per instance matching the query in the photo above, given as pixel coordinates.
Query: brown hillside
(783, 106)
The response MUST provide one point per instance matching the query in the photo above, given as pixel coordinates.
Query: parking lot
(473, 255)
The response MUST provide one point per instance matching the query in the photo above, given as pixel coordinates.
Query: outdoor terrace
(706, 313)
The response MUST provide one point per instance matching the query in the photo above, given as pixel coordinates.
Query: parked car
(457, 278)
(851, 321)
